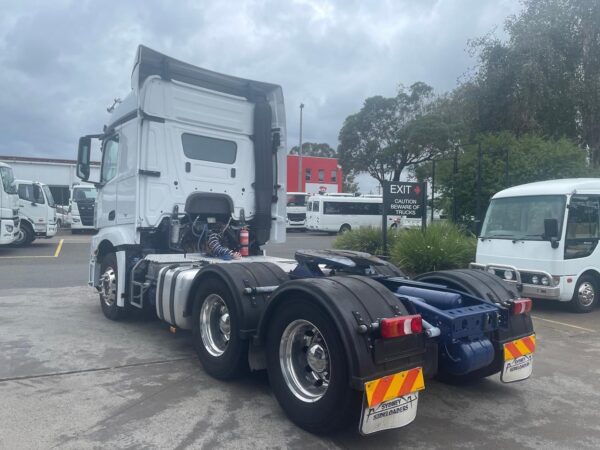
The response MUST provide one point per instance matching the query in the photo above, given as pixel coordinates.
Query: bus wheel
(585, 296)
(218, 344)
(345, 228)
(308, 370)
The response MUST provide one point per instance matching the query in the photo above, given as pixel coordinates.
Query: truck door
(107, 194)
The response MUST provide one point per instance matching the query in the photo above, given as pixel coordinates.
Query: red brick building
(318, 174)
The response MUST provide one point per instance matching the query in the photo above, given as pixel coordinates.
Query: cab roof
(552, 187)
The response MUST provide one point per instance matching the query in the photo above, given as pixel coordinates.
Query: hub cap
(215, 325)
(305, 362)
(586, 293)
(108, 287)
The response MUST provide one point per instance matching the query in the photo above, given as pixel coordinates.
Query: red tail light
(401, 326)
(521, 306)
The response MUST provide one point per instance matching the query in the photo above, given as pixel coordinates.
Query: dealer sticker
(389, 414)
(517, 369)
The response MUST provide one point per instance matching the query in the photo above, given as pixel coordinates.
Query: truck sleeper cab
(9, 206)
(543, 238)
(37, 212)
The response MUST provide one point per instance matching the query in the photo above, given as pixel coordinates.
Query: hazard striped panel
(520, 347)
(394, 386)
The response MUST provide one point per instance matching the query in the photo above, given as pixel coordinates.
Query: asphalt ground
(69, 378)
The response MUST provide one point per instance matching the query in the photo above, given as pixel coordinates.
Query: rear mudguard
(353, 303)
(239, 276)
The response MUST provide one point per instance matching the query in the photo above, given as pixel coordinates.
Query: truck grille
(296, 217)
(86, 212)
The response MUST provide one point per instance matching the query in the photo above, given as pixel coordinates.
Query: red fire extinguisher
(244, 241)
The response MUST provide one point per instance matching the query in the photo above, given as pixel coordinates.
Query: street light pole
(300, 153)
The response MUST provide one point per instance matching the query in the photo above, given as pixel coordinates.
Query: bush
(361, 240)
(442, 246)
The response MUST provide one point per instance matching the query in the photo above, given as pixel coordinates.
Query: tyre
(108, 289)
(585, 296)
(218, 344)
(26, 236)
(308, 369)
(345, 228)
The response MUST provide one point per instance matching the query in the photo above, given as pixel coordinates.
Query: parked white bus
(296, 210)
(338, 214)
(544, 238)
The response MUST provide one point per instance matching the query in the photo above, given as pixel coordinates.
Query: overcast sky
(62, 62)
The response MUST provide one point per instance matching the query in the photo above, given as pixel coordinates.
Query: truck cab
(37, 212)
(82, 207)
(296, 210)
(543, 238)
(9, 206)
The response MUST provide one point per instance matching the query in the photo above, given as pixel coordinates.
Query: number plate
(518, 359)
(391, 401)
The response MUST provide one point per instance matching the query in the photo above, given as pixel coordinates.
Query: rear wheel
(345, 228)
(308, 369)
(218, 344)
(585, 296)
(26, 235)
(108, 289)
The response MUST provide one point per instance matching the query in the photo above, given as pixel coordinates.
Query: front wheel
(26, 236)
(108, 289)
(218, 344)
(308, 369)
(585, 296)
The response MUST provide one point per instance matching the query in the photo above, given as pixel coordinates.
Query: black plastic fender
(238, 276)
(352, 302)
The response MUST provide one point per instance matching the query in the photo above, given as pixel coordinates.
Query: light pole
(300, 153)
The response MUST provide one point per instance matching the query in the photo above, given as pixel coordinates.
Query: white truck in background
(37, 212)
(296, 210)
(543, 237)
(82, 206)
(9, 206)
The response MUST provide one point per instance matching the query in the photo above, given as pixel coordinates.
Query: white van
(544, 238)
(9, 206)
(81, 207)
(341, 213)
(296, 210)
(36, 211)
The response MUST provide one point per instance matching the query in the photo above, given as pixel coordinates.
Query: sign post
(405, 199)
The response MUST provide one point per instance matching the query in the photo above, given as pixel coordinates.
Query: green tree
(544, 79)
(530, 158)
(323, 150)
(389, 134)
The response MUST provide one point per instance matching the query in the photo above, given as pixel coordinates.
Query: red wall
(314, 163)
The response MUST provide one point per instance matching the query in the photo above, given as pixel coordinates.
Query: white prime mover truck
(9, 206)
(37, 212)
(543, 238)
(82, 206)
(192, 185)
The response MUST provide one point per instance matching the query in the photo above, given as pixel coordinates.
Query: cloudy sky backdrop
(62, 62)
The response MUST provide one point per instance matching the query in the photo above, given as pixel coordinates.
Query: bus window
(582, 227)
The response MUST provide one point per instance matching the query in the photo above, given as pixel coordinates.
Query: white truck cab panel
(9, 205)
(37, 208)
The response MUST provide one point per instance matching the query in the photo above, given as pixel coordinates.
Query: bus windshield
(8, 180)
(522, 218)
(296, 200)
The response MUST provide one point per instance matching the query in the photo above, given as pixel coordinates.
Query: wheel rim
(586, 293)
(305, 361)
(215, 325)
(21, 238)
(108, 287)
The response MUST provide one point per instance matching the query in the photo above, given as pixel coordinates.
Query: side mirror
(83, 158)
(551, 231)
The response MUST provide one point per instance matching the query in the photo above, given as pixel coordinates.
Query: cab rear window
(205, 148)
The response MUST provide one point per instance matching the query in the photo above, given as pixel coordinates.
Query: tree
(530, 158)
(313, 149)
(545, 78)
(389, 134)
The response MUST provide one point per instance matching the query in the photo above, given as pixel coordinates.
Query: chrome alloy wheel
(108, 287)
(215, 325)
(305, 362)
(586, 293)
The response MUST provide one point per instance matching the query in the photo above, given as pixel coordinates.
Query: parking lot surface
(69, 378)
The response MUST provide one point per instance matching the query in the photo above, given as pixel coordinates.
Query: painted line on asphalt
(59, 248)
(565, 324)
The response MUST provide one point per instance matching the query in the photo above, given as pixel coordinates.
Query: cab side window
(583, 226)
(31, 193)
(110, 158)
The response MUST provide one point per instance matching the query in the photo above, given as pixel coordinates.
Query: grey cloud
(64, 61)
